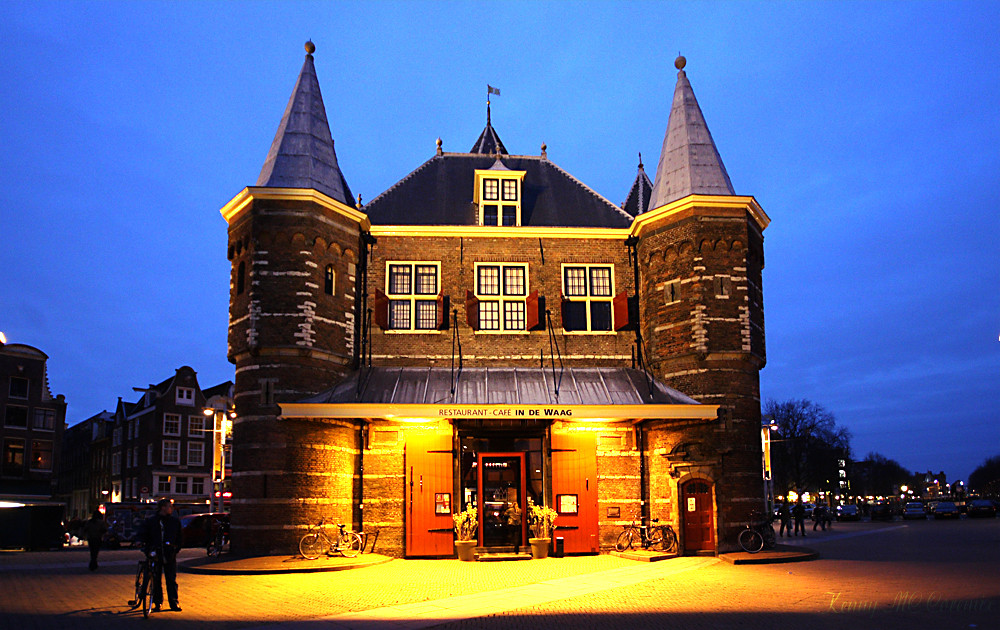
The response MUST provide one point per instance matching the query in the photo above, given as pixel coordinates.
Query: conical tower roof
(302, 154)
(639, 195)
(489, 142)
(689, 161)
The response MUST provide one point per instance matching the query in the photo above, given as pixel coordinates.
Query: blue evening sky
(868, 132)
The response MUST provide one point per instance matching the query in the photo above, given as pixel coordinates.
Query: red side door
(429, 495)
(574, 486)
(696, 512)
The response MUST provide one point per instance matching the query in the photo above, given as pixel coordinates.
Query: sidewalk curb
(781, 556)
(239, 567)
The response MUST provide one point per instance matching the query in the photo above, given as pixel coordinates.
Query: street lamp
(221, 428)
(765, 447)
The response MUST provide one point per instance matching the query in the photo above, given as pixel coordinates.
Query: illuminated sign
(484, 412)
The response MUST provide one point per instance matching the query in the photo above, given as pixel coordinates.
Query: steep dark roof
(440, 192)
(511, 386)
(689, 161)
(302, 154)
(639, 195)
(488, 142)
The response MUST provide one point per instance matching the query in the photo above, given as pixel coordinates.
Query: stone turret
(294, 243)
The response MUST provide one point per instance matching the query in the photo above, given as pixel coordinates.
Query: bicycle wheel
(669, 540)
(136, 600)
(350, 544)
(751, 541)
(149, 579)
(626, 539)
(655, 536)
(311, 546)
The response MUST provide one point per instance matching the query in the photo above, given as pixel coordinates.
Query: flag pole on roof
(490, 90)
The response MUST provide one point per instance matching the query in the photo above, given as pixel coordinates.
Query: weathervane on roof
(490, 90)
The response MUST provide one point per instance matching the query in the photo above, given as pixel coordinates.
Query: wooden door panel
(429, 473)
(697, 512)
(574, 472)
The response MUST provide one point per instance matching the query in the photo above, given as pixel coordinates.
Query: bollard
(558, 553)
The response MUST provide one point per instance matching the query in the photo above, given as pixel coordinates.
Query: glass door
(502, 491)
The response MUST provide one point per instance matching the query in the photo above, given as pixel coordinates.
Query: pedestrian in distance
(785, 516)
(162, 536)
(95, 528)
(819, 517)
(799, 512)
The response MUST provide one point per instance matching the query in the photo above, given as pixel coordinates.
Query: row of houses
(162, 444)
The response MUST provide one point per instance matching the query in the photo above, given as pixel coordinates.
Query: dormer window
(498, 195)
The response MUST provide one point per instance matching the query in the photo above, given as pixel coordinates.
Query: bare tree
(806, 445)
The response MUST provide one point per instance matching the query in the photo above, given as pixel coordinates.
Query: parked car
(882, 511)
(848, 513)
(914, 509)
(946, 509)
(197, 530)
(981, 507)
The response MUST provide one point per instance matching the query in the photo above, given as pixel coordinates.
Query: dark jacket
(161, 532)
(95, 528)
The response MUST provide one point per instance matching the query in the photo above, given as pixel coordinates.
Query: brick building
(33, 424)
(490, 330)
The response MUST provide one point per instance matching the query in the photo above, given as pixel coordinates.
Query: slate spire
(689, 162)
(640, 193)
(302, 154)
(489, 142)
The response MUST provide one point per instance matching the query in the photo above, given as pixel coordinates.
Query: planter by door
(539, 547)
(466, 550)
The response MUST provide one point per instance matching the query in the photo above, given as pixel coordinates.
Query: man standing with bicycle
(162, 533)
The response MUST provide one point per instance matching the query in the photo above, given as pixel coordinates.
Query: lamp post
(765, 447)
(221, 424)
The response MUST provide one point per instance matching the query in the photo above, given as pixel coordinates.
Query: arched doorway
(697, 516)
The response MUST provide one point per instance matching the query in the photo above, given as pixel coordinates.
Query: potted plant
(540, 520)
(466, 524)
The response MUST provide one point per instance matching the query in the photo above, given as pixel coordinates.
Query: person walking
(819, 517)
(799, 512)
(95, 528)
(162, 534)
(785, 516)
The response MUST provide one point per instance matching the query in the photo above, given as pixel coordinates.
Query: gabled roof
(440, 192)
(511, 386)
(488, 142)
(639, 195)
(689, 161)
(302, 154)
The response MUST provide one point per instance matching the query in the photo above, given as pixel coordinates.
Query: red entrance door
(574, 484)
(696, 511)
(428, 495)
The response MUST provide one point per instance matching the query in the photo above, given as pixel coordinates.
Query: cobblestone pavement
(886, 575)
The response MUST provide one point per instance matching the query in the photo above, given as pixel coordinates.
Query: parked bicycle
(638, 533)
(316, 542)
(218, 542)
(146, 575)
(758, 534)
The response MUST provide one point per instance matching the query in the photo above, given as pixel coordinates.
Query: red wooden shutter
(381, 310)
(619, 307)
(472, 310)
(531, 311)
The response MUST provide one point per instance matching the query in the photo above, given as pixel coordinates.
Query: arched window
(240, 278)
(328, 280)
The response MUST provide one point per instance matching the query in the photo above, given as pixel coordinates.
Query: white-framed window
(128, 488)
(116, 463)
(18, 387)
(196, 426)
(149, 454)
(197, 485)
(413, 289)
(171, 424)
(135, 456)
(116, 437)
(163, 484)
(502, 289)
(15, 416)
(13, 457)
(180, 485)
(45, 419)
(128, 458)
(587, 294)
(171, 452)
(196, 454)
(185, 396)
(498, 194)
